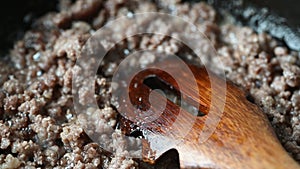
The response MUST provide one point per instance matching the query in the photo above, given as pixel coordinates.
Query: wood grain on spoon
(242, 139)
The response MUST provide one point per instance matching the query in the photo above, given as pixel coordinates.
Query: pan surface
(280, 18)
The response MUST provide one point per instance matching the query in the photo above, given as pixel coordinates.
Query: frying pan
(280, 18)
(16, 16)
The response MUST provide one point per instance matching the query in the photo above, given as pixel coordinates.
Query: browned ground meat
(38, 123)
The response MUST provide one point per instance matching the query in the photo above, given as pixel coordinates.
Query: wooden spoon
(242, 139)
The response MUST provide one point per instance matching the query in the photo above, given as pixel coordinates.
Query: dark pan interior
(278, 17)
(285, 8)
(16, 16)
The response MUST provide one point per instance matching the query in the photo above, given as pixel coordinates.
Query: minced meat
(39, 126)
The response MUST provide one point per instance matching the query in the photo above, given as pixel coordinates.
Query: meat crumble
(39, 126)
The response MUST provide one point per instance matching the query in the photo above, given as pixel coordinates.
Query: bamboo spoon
(243, 139)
